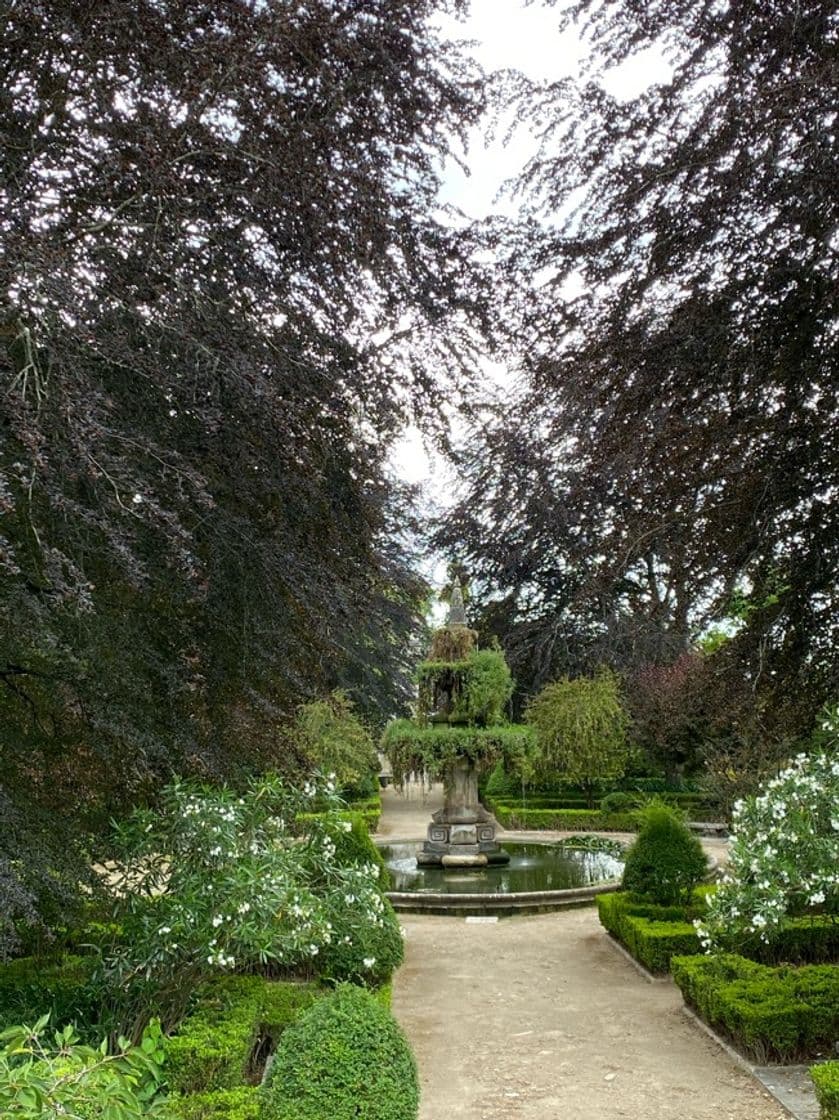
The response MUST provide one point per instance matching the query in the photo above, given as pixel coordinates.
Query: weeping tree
(224, 288)
(581, 731)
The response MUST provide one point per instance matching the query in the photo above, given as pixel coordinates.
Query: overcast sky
(508, 34)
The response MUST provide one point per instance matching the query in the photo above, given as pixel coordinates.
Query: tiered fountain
(459, 730)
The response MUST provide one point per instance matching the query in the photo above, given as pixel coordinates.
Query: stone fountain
(460, 729)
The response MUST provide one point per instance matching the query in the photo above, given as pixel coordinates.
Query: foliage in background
(43, 1075)
(346, 1057)
(666, 861)
(581, 727)
(199, 527)
(333, 740)
(214, 880)
(784, 851)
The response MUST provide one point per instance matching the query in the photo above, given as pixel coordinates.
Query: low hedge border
(242, 1103)
(652, 934)
(826, 1080)
(573, 820)
(784, 1014)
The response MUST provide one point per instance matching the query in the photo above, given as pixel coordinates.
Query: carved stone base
(455, 844)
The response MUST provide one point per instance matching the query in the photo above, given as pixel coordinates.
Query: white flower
(368, 962)
(217, 920)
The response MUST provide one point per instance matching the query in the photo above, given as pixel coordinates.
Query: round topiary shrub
(344, 1059)
(364, 949)
(666, 861)
(621, 801)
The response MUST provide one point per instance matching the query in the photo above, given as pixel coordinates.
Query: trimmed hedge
(573, 820)
(813, 939)
(345, 1059)
(666, 861)
(826, 1080)
(213, 1047)
(782, 1014)
(31, 987)
(226, 1104)
(652, 934)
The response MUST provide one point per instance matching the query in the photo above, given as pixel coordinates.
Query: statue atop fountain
(461, 729)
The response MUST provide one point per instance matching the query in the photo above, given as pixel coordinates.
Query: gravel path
(540, 1018)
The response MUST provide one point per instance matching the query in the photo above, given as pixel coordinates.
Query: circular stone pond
(539, 876)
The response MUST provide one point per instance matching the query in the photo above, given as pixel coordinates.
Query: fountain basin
(541, 876)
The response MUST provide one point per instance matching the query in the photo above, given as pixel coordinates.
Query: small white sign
(481, 919)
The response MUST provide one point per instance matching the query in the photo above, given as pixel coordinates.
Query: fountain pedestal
(461, 834)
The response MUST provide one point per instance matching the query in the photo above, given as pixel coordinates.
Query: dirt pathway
(539, 1018)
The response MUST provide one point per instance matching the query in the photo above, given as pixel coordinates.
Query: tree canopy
(224, 287)
(674, 442)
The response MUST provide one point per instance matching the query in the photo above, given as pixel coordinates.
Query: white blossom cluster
(784, 850)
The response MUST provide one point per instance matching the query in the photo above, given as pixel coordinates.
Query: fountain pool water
(539, 876)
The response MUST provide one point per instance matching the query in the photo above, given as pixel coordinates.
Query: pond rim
(501, 905)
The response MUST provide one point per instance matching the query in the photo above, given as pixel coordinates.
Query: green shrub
(362, 951)
(574, 820)
(30, 988)
(666, 861)
(621, 801)
(812, 939)
(225, 1104)
(335, 741)
(772, 1014)
(826, 1079)
(345, 1059)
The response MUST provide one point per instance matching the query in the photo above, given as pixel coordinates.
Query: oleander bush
(362, 951)
(787, 1013)
(826, 1080)
(784, 850)
(666, 861)
(345, 1059)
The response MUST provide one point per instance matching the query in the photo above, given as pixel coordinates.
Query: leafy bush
(581, 728)
(41, 1078)
(345, 1059)
(666, 861)
(239, 1019)
(216, 880)
(826, 1080)
(784, 850)
(772, 1014)
(361, 951)
(355, 848)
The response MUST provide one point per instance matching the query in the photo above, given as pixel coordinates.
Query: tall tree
(676, 436)
(224, 285)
